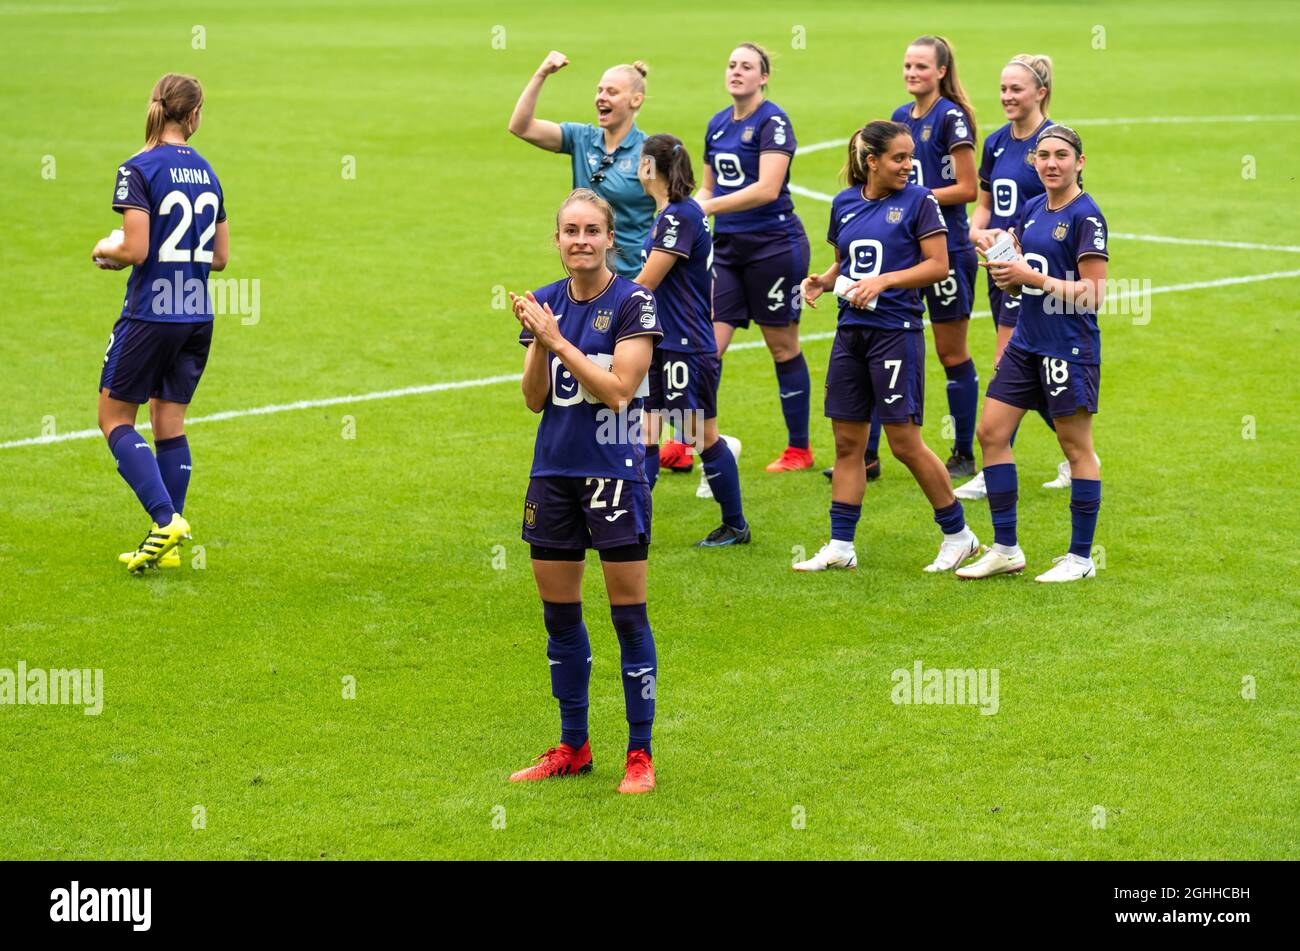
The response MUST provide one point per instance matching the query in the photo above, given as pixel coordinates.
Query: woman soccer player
(1052, 360)
(1008, 179)
(760, 250)
(590, 340)
(942, 124)
(889, 241)
(604, 155)
(678, 254)
(173, 233)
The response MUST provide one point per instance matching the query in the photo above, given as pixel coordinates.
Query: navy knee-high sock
(175, 466)
(1085, 501)
(652, 465)
(873, 438)
(1000, 481)
(136, 463)
(793, 383)
(640, 671)
(569, 651)
(963, 403)
(844, 521)
(724, 479)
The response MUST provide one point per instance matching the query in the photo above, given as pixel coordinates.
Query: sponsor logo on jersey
(647, 316)
(602, 320)
(1060, 230)
(1099, 237)
(124, 170)
(925, 133)
(845, 218)
(121, 193)
(748, 135)
(778, 136)
(530, 513)
(670, 238)
(997, 152)
(894, 216)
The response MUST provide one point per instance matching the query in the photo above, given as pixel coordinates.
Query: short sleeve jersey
(181, 193)
(578, 435)
(936, 135)
(878, 236)
(732, 148)
(684, 297)
(1053, 243)
(1007, 173)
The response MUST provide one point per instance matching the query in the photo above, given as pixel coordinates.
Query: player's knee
(990, 436)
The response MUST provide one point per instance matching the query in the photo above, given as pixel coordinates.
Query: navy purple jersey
(180, 191)
(683, 296)
(732, 148)
(1053, 243)
(878, 236)
(936, 135)
(579, 435)
(1007, 173)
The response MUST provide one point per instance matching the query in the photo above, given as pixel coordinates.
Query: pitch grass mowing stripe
(514, 377)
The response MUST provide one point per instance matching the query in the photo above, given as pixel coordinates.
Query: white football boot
(703, 491)
(993, 563)
(1063, 479)
(974, 489)
(834, 554)
(954, 550)
(1069, 567)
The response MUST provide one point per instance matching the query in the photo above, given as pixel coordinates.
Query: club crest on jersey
(1029, 158)
(1059, 231)
(530, 513)
(925, 133)
(625, 165)
(748, 135)
(601, 323)
(894, 216)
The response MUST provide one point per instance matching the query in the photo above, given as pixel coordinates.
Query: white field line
(1125, 235)
(1145, 120)
(514, 377)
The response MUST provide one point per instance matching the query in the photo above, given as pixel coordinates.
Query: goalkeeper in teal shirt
(605, 155)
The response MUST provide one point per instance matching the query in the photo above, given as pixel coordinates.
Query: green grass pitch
(394, 557)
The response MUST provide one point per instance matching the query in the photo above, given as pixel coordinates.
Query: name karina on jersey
(190, 176)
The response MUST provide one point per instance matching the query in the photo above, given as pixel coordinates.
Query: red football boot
(562, 760)
(791, 460)
(676, 456)
(640, 776)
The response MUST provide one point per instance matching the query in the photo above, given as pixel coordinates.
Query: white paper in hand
(1003, 249)
(842, 285)
(116, 236)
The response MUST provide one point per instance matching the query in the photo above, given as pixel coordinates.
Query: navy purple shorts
(685, 382)
(757, 276)
(1004, 307)
(951, 298)
(876, 369)
(582, 513)
(148, 358)
(1030, 381)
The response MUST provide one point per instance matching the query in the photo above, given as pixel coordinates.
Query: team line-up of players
(649, 332)
(653, 296)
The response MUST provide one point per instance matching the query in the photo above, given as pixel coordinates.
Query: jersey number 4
(178, 199)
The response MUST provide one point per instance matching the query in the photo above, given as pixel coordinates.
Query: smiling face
(1056, 163)
(891, 168)
(1020, 93)
(615, 101)
(583, 236)
(921, 73)
(745, 74)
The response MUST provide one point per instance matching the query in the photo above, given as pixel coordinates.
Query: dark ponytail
(173, 99)
(871, 139)
(949, 86)
(672, 163)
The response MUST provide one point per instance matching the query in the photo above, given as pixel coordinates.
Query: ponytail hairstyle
(1066, 135)
(635, 76)
(174, 98)
(949, 84)
(764, 61)
(1040, 67)
(673, 163)
(604, 207)
(871, 139)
